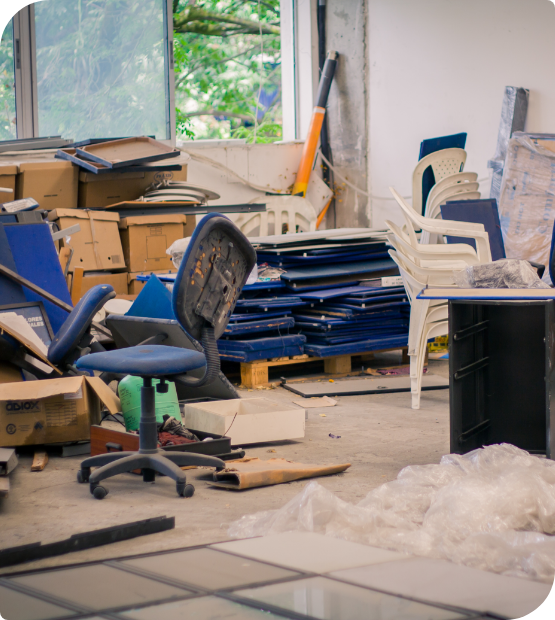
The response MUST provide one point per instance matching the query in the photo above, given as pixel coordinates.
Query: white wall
(438, 67)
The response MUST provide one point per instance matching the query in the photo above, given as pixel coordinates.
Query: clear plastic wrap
(492, 509)
(526, 207)
(505, 273)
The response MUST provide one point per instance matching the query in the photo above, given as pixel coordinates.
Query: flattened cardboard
(30, 346)
(103, 190)
(97, 246)
(8, 175)
(145, 240)
(116, 280)
(52, 411)
(52, 184)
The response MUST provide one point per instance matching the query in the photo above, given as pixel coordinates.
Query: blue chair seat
(144, 361)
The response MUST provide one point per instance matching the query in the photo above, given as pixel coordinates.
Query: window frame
(299, 69)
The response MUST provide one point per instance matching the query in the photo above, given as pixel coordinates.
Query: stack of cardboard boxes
(110, 250)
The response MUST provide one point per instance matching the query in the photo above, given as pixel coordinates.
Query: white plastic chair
(461, 179)
(444, 163)
(426, 316)
(468, 230)
(452, 192)
(287, 214)
(435, 207)
(423, 254)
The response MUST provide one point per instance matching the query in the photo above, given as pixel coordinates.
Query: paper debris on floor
(313, 403)
(251, 472)
(491, 509)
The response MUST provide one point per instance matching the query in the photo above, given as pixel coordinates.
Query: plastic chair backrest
(213, 271)
(284, 214)
(437, 196)
(452, 179)
(435, 211)
(443, 163)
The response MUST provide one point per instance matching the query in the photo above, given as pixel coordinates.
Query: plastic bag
(505, 273)
(491, 509)
(177, 249)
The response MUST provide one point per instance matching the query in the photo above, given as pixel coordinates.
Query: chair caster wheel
(83, 475)
(187, 490)
(99, 492)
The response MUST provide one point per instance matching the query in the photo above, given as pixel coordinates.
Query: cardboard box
(109, 188)
(255, 420)
(52, 411)
(52, 184)
(10, 373)
(146, 238)
(8, 175)
(97, 246)
(134, 286)
(117, 280)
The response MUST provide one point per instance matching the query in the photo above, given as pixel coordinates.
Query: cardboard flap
(142, 220)
(45, 165)
(105, 394)
(77, 213)
(40, 389)
(108, 216)
(7, 169)
(30, 346)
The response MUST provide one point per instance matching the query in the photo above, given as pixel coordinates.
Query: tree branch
(193, 19)
(212, 112)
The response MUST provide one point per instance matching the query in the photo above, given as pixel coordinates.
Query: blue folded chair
(213, 271)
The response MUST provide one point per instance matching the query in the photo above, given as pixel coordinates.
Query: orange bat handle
(309, 151)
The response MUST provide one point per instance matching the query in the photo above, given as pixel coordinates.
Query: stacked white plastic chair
(430, 264)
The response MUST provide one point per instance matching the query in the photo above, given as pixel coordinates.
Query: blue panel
(362, 346)
(455, 141)
(251, 356)
(10, 291)
(154, 301)
(327, 271)
(36, 259)
(251, 327)
(261, 344)
(260, 315)
(480, 212)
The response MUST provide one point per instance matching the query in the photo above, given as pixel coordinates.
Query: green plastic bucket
(129, 391)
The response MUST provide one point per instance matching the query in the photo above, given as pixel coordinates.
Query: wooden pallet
(254, 374)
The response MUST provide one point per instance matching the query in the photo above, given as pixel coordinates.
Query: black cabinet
(502, 374)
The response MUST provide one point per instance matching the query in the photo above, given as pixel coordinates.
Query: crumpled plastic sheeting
(504, 273)
(491, 509)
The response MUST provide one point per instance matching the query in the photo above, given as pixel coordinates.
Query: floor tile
(309, 552)
(99, 587)
(210, 569)
(18, 606)
(450, 584)
(331, 600)
(205, 608)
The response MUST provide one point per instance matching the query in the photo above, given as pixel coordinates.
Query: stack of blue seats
(329, 300)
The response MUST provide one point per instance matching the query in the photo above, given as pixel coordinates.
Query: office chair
(73, 339)
(214, 269)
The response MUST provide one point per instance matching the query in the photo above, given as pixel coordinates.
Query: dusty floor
(380, 434)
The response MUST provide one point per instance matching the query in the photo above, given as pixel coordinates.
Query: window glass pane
(7, 86)
(100, 68)
(228, 69)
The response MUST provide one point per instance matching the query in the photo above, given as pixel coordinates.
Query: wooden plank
(65, 258)
(337, 365)
(40, 459)
(255, 374)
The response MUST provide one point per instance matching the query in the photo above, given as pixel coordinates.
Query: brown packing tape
(95, 243)
(249, 473)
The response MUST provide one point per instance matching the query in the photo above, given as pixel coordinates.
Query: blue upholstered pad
(144, 361)
(77, 323)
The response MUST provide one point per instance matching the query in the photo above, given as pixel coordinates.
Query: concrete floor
(380, 434)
